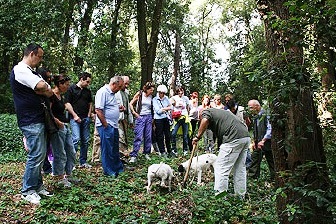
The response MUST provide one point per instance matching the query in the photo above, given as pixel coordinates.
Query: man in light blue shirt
(107, 110)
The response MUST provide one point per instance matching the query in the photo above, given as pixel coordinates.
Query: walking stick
(189, 165)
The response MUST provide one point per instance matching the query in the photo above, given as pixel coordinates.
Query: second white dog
(199, 164)
(162, 171)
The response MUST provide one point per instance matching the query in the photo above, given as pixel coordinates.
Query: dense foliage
(11, 144)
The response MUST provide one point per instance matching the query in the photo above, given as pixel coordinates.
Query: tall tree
(69, 7)
(296, 136)
(148, 48)
(84, 24)
(113, 38)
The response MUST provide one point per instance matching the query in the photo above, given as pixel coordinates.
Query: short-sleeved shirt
(225, 125)
(181, 104)
(58, 108)
(80, 99)
(28, 107)
(106, 101)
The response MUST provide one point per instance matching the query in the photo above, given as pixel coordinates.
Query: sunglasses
(63, 80)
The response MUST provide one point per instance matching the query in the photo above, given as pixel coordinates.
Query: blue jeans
(180, 122)
(36, 140)
(109, 144)
(81, 133)
(63, 151)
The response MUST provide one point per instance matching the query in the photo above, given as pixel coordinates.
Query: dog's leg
(169, 183)
(149, 184)
(199, 177)
(163, 182)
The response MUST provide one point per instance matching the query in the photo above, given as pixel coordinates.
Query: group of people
(155, 119)
(70, 108)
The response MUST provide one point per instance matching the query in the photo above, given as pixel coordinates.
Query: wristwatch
(198, 138)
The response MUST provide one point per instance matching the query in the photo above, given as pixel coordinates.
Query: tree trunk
(83, 37)
(66, 37)
(142, 36)
(113, 40)
(296, 137)
(177, 59)
(148, 50)
(326, 58)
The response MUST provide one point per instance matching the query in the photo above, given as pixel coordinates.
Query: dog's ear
(181, 168)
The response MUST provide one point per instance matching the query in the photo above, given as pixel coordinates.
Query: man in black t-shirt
(78, 101)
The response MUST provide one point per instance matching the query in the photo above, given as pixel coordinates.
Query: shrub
(11, 145)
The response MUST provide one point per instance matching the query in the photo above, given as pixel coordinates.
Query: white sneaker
(46, 193)
(32, 198)
(65, 183)
(132, 160)
(85, 165)
(147, 157)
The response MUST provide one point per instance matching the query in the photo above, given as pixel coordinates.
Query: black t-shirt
(79, 99)
(58, 108)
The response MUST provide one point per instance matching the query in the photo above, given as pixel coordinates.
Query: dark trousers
(257, 155)
(162, 131)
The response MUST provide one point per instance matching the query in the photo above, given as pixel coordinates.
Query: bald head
(254, 106)
(126, 82)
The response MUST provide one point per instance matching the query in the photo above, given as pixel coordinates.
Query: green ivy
(11, 145)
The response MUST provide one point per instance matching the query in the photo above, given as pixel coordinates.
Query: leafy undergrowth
(101, 199)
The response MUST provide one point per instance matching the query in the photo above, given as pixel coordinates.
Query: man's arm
(203, 126)
(268, 134)
(90, 110)
(101, 116)
(69, 107)
(43, 88)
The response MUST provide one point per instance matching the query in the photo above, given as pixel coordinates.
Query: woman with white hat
(162, 107)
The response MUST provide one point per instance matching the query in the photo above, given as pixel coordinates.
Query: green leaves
(11, 144)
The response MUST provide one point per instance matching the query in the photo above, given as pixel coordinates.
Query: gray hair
(125, 77)
(254, 102)
(116, 79)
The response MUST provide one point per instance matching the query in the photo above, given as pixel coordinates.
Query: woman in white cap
(162, 107)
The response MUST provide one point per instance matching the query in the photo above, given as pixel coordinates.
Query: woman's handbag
(176, 114)
(49, 121)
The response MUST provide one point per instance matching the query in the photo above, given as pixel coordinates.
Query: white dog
(161, 171)
(199, 164)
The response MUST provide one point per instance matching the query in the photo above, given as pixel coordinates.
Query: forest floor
(101, 199)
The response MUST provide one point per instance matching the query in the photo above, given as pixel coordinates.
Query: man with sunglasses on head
(29, 90)
(78, 101)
